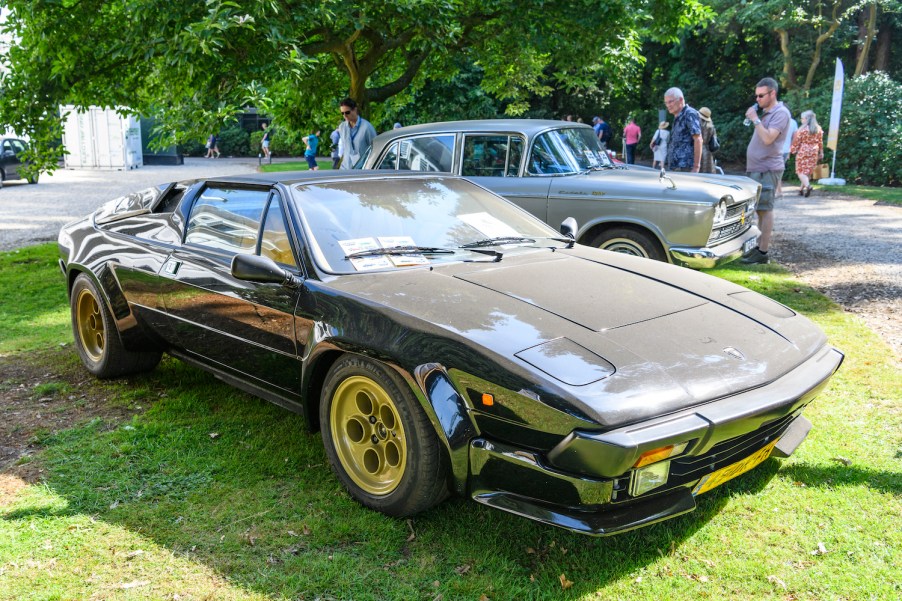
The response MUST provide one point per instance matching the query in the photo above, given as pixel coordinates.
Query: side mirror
(263, 270)
(569, 227)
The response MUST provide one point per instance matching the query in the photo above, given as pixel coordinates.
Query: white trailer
(100, 138)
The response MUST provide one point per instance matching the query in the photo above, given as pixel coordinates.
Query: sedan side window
(492, 156)
(425, 153)
(390, 160)
(227, 219)
(18, 146)
(274, 242)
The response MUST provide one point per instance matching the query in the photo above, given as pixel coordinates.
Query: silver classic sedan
(556, 169)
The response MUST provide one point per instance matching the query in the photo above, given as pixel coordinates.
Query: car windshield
(567, 151)
(394, 223)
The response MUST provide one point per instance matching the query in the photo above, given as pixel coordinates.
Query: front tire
(379, 441)
(96, 338)
(629, 241)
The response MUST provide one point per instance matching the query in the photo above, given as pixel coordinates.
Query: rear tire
(378, 439)
(629, 241)
(96, 337)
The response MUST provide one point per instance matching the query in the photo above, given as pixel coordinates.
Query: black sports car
(445, 341)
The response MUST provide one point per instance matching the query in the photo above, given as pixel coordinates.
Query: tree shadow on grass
(227, 480)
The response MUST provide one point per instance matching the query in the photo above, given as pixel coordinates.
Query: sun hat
(663, 125)
(705, 113)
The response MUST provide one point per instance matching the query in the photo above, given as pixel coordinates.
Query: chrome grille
(733, 226)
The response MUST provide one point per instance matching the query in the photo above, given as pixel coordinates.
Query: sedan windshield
(395, 223)
(567, 151)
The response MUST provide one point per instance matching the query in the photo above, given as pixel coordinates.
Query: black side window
(492, 156)
(426, 153)
(390, 160)
(227, 219)
(274, 241)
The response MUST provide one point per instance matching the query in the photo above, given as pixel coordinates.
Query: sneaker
(754, 256)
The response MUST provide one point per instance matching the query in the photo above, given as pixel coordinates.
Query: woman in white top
(659, 144)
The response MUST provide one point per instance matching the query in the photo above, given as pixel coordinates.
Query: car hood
(619, 338)
(641, 182)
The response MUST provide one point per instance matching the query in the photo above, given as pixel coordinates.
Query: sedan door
(494, 161)
(245, 329)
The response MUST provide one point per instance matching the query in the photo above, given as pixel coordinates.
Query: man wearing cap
(684, 153)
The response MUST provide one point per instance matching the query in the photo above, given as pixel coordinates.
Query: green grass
(880, 194)
(324, 164)
(33, 309)
(210, 493)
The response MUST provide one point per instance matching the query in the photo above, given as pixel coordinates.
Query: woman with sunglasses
(356, 134)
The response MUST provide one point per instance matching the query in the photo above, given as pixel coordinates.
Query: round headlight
(720, 212)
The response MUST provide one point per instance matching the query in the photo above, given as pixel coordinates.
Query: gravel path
(32, 214)
(847, 248)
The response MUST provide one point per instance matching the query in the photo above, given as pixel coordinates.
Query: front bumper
(583, 483)
(721, 254)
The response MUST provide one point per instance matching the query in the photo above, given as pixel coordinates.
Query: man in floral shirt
(684, 153)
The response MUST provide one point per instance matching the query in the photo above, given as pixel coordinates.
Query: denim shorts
(311, 160)
(770, 183)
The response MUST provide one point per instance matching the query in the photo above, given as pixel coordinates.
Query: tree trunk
(884, 43)
(789, 70)
(816, 57)
(864, 50)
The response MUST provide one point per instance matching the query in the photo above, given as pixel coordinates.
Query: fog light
(649, 478)
(660, 453)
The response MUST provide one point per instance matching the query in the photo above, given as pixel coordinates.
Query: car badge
(734, 353)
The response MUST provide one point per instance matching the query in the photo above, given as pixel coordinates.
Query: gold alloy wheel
(368, 435)
(89, 323)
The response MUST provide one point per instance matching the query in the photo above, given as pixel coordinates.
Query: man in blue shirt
(602, 131)
(684, 152)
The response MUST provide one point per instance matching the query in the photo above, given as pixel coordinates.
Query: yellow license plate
(731, 471)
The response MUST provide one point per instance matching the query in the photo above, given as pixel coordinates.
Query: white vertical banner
(836, 107)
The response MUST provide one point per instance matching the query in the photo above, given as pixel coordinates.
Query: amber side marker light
(659, 454)
(487, 399)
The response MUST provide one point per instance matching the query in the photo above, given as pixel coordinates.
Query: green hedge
(868, 147)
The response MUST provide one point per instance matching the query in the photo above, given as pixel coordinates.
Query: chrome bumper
(708, 258)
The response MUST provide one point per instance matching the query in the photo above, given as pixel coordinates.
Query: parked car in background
(445, 341)
(556, 169)
(11, 150)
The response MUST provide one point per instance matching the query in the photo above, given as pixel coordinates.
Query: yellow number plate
(731, 471)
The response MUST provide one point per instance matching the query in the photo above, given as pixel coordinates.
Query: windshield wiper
(401, 250)
(569, 241)
(420, 250)
(496, 241)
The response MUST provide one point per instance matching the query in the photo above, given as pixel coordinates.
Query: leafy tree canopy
(194, 64)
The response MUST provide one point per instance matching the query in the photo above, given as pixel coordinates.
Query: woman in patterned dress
(808, 146)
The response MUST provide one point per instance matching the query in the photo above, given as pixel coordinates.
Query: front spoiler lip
(611, 454)
(709, 258)
(613, 520)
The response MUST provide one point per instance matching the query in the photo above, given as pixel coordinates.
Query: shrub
(868, 149)
(233, 141)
